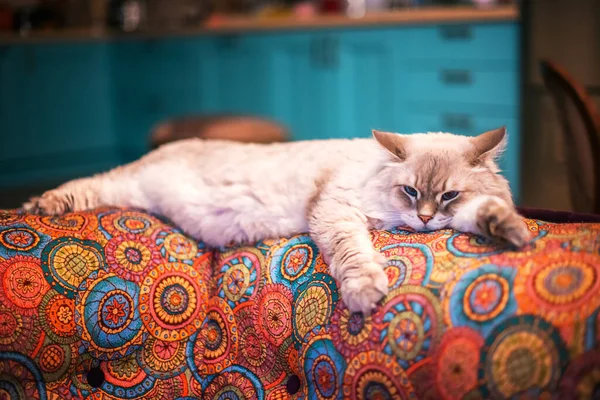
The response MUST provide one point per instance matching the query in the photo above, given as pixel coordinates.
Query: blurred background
(88, 85)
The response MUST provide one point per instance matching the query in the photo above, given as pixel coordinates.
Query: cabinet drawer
(462, 84)
(463, 41)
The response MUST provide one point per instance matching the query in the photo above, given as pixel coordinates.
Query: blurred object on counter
(98, 12)
(235, 6)
(177, 14)
(485, 3)
(6, 18)
(225, 127)
(305, 9)
(127, 15)
(334, 6)
(42, 15)
(79, 13)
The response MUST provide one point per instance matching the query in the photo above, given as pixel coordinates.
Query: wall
(567, 32)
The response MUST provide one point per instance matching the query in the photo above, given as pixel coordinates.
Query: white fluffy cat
(222, 192)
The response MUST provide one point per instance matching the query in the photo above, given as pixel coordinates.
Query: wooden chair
(580, 125)
(227, 127)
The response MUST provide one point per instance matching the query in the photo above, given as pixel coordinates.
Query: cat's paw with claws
(498, 220)
(50, 203)
(361, 292)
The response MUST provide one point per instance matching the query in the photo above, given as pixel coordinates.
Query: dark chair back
(580, 126)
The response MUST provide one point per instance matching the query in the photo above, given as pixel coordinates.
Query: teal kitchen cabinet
(331, 83)
(464, 79)
(153, 80)
(60, 116)
(366, 86)
(235, 76)
(13, 112)
(67, 106)
(300, 86)
(468, 41)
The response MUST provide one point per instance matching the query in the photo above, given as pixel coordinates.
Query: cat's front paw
(501, 221)
(362, 292)
(52, 202)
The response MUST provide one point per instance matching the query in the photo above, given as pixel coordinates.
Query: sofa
(120, 304)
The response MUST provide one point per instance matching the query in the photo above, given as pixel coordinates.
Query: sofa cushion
(120, 304)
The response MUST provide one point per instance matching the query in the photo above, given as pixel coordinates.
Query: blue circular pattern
(482, 297)
(324, 368)
(476, 241)
(23, 370)
(16, 238)
(420, 252)
(314, 302)
(107, 316)
(239, 275)
(293, 261)
(482, 308)
(115, 309)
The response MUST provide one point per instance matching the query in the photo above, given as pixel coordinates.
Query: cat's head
(428, 176)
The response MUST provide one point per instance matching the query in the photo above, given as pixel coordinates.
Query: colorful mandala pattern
(178, 247)
(57, 318)
(234, 384)
(456, 362)
(126, 379)
(562, 288)
(239, 275)
(215, 346)
(254, 352)
(481, 298)
(353, 333)
(324, 369)
(162, 317)
(18, 333)
(20, 238)
(132, 256)
(410, 323)
(293, 261)
(375, 375)
(20, 378)
(313, 305)
(173, 301)
(23, 284)
(408, 264)
(68, 261)
(107, 316)
(116, 223)
(522, 354)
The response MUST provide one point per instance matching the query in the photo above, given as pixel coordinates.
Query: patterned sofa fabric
(116, 304)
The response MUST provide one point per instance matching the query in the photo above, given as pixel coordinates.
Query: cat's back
(216, 155)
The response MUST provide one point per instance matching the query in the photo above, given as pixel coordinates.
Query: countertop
(224, 25)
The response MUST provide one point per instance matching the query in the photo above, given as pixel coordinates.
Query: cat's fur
(222, 192)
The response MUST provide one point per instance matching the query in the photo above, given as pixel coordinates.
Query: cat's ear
(488, 145)
(392, 142)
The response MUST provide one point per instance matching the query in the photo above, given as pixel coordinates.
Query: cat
(223, 192)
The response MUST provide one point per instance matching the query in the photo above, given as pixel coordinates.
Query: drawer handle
(456, 32)
(457, 121)
(456, 76)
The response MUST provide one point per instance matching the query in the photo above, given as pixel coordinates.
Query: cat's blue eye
(411, 191)
(449, 195)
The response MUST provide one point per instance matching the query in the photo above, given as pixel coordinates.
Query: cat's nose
(425, 218)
